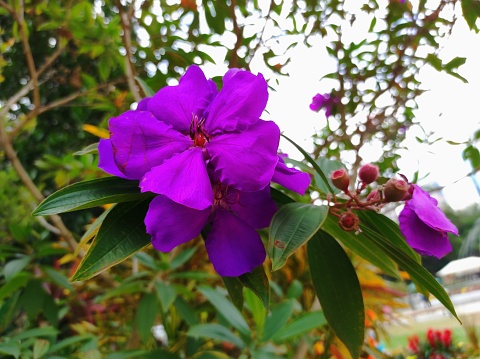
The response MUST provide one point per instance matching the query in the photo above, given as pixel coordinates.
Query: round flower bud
(368, 173)
(340, 179)
(349, 221)
(394, 190)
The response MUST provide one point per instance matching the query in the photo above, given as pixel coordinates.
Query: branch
(129, 68)
(238, 33)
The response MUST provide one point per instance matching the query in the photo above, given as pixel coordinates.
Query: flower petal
(291, 178)
(106, 160)
(255, 208)
(426, 209)
(234, 248)
(182, 178)
(171, 224)
(239, 104)
(175, 105)
(246, 160)
(143, 104)
(422, 238)
(141, 142)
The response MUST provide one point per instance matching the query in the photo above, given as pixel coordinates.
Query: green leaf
(279, 197)
(121, 235)
(419, 275)
(186, 312)
(216, 332)
(69, 341)
(303, 324)
(210, 355)
(40, 348)
(89, 194)
(257, 282)
(338, 290)
(10, 348)
(15, 266)
(277, 319)
(147, 90)
(257, 309)
(292, 226)
(145, 316)
(58, 278)
(471, 12)
(327, 166)
(226, 309)
(182, 257)
(134, 353)
(36, 332)
(357, 243)
(92, 148)
(17, 282)
(235, 291)
(313, 163)
(455, 63)
(166, 295)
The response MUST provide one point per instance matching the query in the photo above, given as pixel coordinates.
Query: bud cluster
(393, 190)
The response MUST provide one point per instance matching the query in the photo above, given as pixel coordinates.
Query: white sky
(449, 109)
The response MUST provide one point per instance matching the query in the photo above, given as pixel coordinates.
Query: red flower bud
(368, 173)
(349, 221)
(374, 196)
(394, 190)
(340, 179)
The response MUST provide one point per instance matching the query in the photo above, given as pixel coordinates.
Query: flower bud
(349, 221)
(368, 173)
(340, 179)
(394, 190)
(374, 196)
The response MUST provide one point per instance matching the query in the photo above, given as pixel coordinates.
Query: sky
(448, 109)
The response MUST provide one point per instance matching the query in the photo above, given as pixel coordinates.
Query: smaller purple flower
(233, 244)
(326, 101)
(425, 226)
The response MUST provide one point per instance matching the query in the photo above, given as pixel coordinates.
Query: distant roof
(461, 266)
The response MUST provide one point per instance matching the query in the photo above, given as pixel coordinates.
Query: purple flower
(233, 244)
(168, 142)
(326, 101)
(425, 226)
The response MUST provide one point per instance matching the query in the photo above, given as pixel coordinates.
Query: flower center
(197, 131)
(225, 196)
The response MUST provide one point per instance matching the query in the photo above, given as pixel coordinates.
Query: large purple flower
(290, 177)
(168, 142)
(425, 226)
(233, 244)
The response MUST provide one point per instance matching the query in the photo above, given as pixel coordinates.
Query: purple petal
(291, 178)
(234, 248)
(141, 142)
(317, 102)
(246, 160)
(106, 161)
(143, 104)
(171, 224)
(175, 105)
(255, 208)
(182, 178)
(422, 238)
(239, 104)
(427, 211)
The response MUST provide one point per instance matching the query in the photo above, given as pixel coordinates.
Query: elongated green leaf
(388, 229)
(147, 90)
(280, 198)
(313, 163)
(36, 332)
(338, 290)
(235, 291)
(277, 319)
(166, 295)
(257, 282)
(92, 148)
(145, 316)
(40, 348)
(121, 235)
(418, 274)
(58, 278)
(15, 266)
(217, 332)
(257, 309)
(302, 324)
(292, 226)
(357, 243)
(226, 309)
(10, 348)
(88, 194)
(18, 281)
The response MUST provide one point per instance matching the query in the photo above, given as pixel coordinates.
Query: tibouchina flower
(170, 139)
(233, 244)
(425, 226)
(325, 101)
